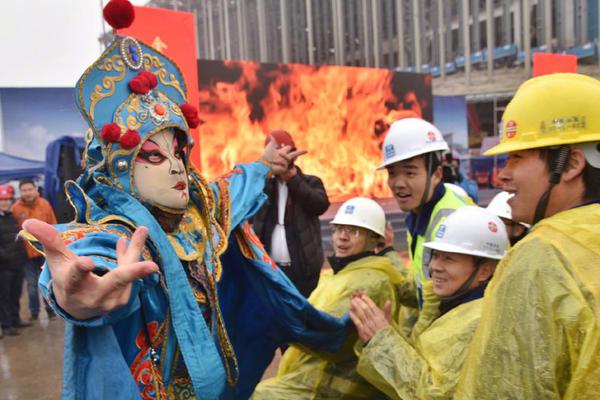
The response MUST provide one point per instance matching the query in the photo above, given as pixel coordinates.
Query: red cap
(283, 138)
(7, 192)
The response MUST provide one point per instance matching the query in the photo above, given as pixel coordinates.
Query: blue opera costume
(207, 324)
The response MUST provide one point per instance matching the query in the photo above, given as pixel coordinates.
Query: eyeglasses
(351, 231)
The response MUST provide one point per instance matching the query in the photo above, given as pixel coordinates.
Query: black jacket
(307, 199)
(12, 251)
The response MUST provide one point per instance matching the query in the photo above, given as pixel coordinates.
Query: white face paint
(159, 172)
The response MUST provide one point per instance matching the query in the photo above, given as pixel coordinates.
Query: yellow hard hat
(551, 110)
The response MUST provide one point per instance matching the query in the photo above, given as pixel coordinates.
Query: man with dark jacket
(288, 224)
(12, 261)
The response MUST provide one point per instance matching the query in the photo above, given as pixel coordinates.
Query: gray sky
(49, 43)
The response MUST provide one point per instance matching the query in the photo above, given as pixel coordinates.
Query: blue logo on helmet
(389, 151)
(440, 233)
(349, 209)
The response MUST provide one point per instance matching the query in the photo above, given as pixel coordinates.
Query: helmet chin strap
(557, 169)
(424, 197)
(428, 181)
(465, 286)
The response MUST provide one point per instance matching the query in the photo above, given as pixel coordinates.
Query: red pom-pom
(130, 139)
(194, 122)
(111, 132)
(139, 85)
(191, 114)
(119, 13)
(188, 110)
(150, 78)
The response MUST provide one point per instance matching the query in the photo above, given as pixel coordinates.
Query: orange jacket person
(32, 205)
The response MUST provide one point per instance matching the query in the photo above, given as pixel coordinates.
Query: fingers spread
(297, 153)
(134, 250)
(77, 272)
(49, 237)
(121, 277)
(121, 249)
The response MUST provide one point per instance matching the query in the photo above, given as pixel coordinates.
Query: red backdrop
(173, 33)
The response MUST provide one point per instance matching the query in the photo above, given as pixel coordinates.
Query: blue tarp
(12, 167)
(53, 179)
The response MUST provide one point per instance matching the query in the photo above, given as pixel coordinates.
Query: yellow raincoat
(539, 334)
(426, 366)
(305, 375)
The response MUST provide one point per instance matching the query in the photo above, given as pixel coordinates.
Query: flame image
(339, 114)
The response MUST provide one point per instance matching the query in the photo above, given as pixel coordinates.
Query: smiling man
(412, 156)
(539, 335)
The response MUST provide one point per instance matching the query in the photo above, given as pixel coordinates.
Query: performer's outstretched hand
(280, 158)
(80, 292)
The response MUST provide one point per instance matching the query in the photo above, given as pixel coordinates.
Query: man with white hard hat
(357, 229)
(412, 155)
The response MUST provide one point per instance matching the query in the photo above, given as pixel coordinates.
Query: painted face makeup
(159, 172)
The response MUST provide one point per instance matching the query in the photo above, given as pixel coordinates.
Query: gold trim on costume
(152, 62)
(108, 82)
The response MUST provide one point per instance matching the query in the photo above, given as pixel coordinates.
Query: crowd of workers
(496, 302)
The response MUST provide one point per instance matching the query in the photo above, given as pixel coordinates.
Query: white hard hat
(591, 150)
(474, 231)
(411, 137)
(499, 206)
(361, 212)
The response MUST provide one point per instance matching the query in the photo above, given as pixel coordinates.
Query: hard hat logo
(441, 231)
(492, 227)
(511, 129)
(389, 151)
(349, 209)
(572, 123)
(431, 136)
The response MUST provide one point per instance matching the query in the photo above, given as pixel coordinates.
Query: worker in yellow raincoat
(358, 227)
(539, 334)
(427, 365)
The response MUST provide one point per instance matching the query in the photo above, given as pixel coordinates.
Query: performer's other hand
(79, 291)
(367, 317)
(280, 158)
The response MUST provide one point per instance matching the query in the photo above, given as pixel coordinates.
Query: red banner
(173, 33)
(548, 63)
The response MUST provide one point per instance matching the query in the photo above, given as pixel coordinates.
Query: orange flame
(339, 114)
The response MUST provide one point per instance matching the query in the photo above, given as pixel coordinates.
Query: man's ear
(436, 176)
(575, 166)
(486, 270)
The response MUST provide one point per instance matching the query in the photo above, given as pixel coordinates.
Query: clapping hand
(367, 317)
